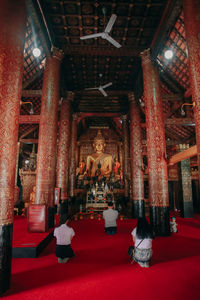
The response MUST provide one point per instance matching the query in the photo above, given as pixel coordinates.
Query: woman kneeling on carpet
(64, 235)
(142, 238)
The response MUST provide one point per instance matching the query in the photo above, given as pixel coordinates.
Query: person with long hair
(142, 238)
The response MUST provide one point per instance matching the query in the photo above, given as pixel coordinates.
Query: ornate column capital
(75, 117)
(68, 96)
(131, 97)
(146, 55)
(124, 117)
(57, 53)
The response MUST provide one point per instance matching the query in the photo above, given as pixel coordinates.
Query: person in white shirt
(142, 238)
(64, 235)
(110, 216)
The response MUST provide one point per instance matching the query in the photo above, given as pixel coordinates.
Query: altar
(98, 197)
(99, 174)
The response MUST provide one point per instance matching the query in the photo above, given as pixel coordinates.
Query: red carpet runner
(101, 268)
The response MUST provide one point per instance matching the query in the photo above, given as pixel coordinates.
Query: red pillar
(63, 146)
(125, 155)
(186, 184)
(73, 155)
(156, 148)
(137, 177)
(192, 24)
(12, 34)
(47, 143)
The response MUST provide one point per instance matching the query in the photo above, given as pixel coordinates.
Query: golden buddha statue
(32, 196)
(99, 159)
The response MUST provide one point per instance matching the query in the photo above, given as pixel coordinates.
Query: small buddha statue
(32, 196)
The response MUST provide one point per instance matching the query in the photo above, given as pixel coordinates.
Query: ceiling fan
(101, 88)
(105, 34)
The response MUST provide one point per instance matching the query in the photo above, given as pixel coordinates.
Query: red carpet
(101, 268)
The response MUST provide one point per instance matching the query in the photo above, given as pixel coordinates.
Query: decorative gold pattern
(191, 20)
(137, 178)
(57, 53)
(11, 69)
(63, 146)
(73, 155)
(46, 159)
(156, 149)
(125, 155)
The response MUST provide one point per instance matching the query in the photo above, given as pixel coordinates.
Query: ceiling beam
(29, 119)
(88, 50)
(180, 121)
(116, 93)
(190, 152)
(31, 93)
(34, 119)
(28, 132)
(29, 141)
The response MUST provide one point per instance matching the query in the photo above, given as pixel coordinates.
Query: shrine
(100, 174)
(99, 102)
(98, 197)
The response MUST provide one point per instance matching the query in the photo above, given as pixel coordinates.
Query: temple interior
(99, 102)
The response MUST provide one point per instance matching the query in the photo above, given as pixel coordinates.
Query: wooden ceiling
(140, 24)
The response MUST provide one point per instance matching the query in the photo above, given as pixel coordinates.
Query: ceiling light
(184, 104)
(182, 112)
(168, 54)
(31, 111)
(36, 52)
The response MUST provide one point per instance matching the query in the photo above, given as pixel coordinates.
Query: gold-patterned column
(191, 10)
(186, 184)
(63, 146)
(73, 155)
(156, 148)
(47, 142)
(137, 176)
(125, 155)
(12, 34)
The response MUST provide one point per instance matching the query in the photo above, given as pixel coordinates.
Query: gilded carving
(137, 179)
(63, 146)
(6, 205)
(57, 53)
(11, 71)
(158, 177)
(46, 160)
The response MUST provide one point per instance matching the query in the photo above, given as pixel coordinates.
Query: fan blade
(95, 88)
(112, 41)
(91, 36)
(110, 23)
(103, 92)
(107, 85)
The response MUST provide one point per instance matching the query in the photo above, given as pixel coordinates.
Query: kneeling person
(64, 235)
(110, 216)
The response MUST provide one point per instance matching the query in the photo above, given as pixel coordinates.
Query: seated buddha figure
(99, 158)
